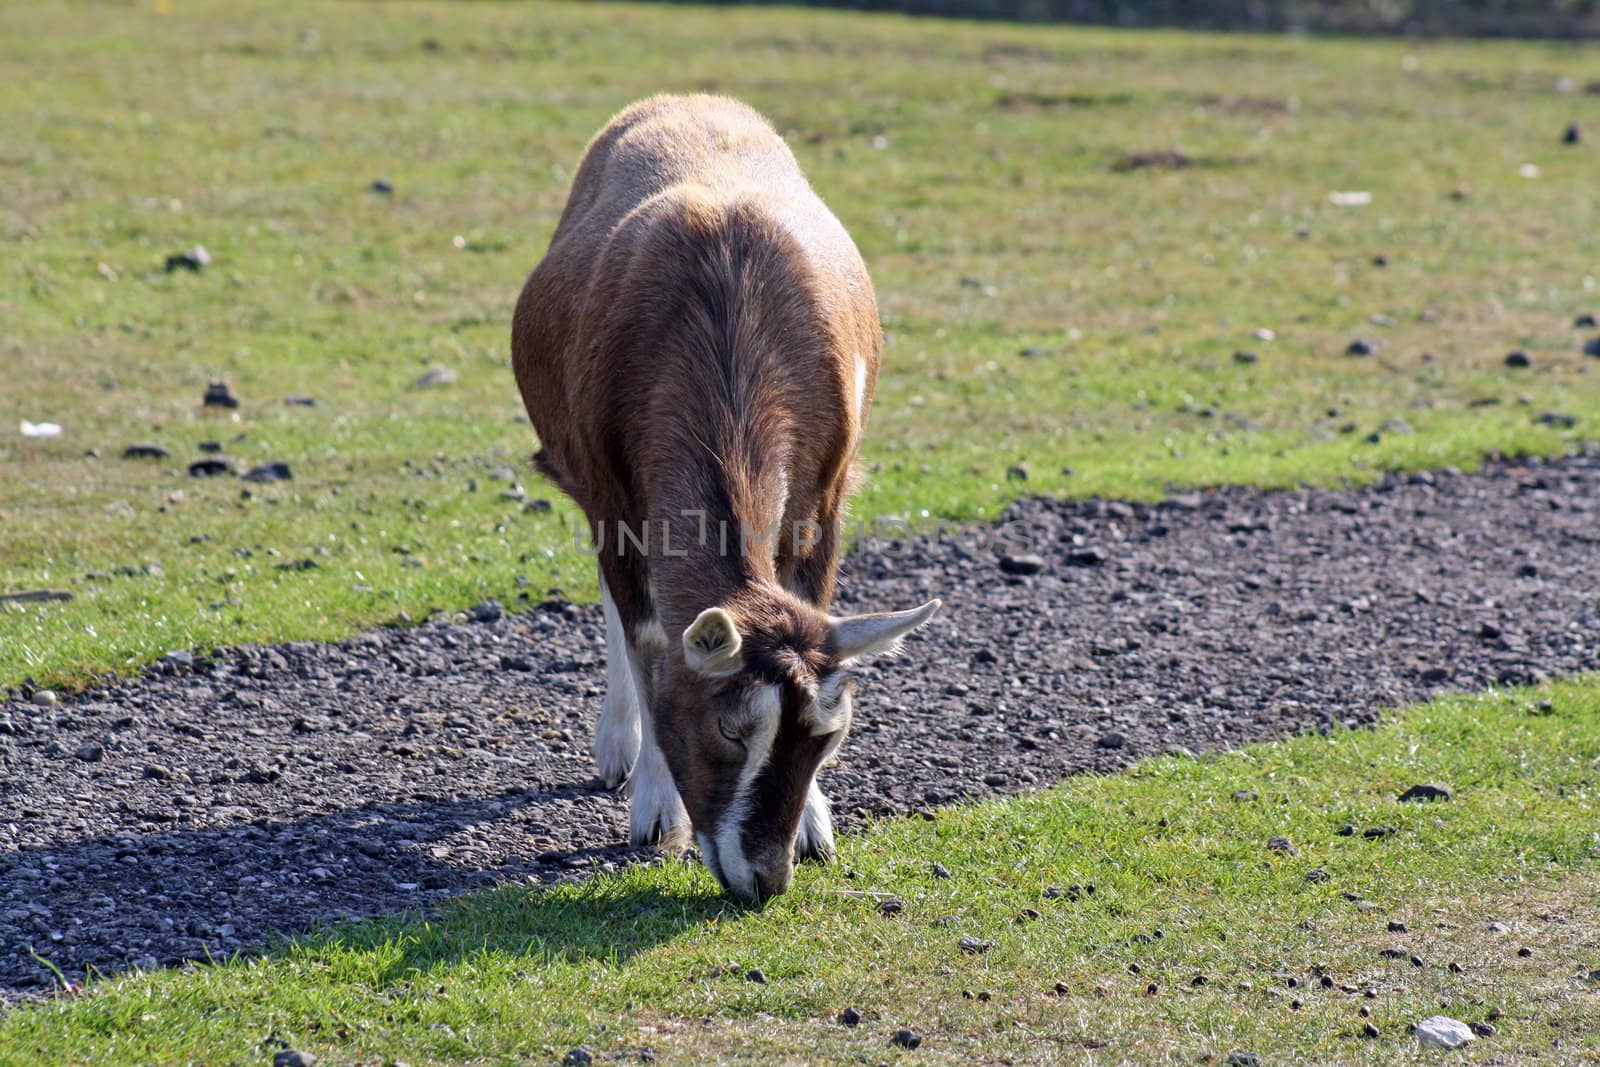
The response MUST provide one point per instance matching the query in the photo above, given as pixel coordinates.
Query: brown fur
(689, 343)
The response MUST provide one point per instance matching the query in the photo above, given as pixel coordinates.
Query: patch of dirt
(210, 805)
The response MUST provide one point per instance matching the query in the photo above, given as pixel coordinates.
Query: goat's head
(748, 708)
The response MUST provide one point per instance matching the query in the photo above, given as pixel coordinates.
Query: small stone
(157, 773)
(1347, 830)
(1518, 358)
(758, 976)
(193, 260)
(1317, 874)
(974, 946)
(940, 870)
(293, 1057)
(1498, 928)
(1112, 739)
(1244, 795)
(578, 1057)
(211, 467)
(145, 450)
(1585, 321)
(488, 611)
(219, 395)
(1245, 357)
(906, 1038)
(1573, 134)
(892, 906)
(1369, 1030)
(1524, 952)
(46, 698)
(435, 377)
(1592, 347)
(1361, 346)
(1558, 420)
(269, 472)
(1380, 261)
(850, 1017)
(382, 185)
(1087, 557)
(1282, 846)
(1375, 832)
(299, 400)
(1425, 792)
(1242, 1059)
(1062, 989)
(1441, 1031)
(1396, 927)
(1022, 564)
(91, 752)
(1017, 472)
(1484, 1029)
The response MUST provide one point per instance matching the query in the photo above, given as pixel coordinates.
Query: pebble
(1243, 795)
(1243, 1059)
(1498, 928)
(940, 870)
(1573, 134)
(194, 259)
(1518, 358)
(1585, 321)
(892, 906)
(488, 611)
(906, 1038)
(145, 450)
(1592, 347)
(382, 185)
(435, 377)
(219, 395)
(1022, 564)
(1374, 832)
(850, 1017)
(974, 946)
(211, 467)
(291, 1057)
(91, 752)
(1441, 1031)
(299, 400)
(758, 976)
(1245, 357)
(1112, 739)
(1485, 1029)
(46, 698)
(1559, 420)
(1017, 472)
(1425, 792)
(269, 472)
(1283, 846)
(1361, 346)
(578, 1057)
(1317, 874)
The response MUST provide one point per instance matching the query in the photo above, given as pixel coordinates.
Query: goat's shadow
(100, 905)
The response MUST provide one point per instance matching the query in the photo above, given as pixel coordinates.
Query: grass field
(1043, 306)
(1177, 935)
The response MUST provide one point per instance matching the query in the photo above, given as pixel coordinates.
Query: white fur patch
(815, 837)
(861, 385)
(765, 707)
(829, 709)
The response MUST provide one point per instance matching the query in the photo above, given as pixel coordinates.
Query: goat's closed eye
(731, 735)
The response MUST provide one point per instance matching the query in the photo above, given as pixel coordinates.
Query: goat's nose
(773, 882)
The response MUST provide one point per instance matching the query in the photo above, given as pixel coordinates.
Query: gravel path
(213, 804)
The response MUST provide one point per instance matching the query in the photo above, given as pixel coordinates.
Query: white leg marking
(815, 839)
(616, 735)
(657, 814)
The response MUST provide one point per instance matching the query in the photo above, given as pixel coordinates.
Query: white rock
(46, 698)
(40, 429)
(1441, 1031)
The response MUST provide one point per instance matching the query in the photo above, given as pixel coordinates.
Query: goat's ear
(711, 644)
(871, 635)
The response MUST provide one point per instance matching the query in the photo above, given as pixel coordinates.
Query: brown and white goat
(697, 351)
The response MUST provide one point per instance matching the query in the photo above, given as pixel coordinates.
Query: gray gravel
(223, 800)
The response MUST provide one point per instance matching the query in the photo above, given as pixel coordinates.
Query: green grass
(1183, 882)
(961, 151)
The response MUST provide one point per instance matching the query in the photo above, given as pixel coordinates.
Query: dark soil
(220, 801)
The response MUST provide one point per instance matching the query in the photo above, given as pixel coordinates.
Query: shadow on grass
(99, 905)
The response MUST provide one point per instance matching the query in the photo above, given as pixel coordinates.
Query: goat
(698, 351)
